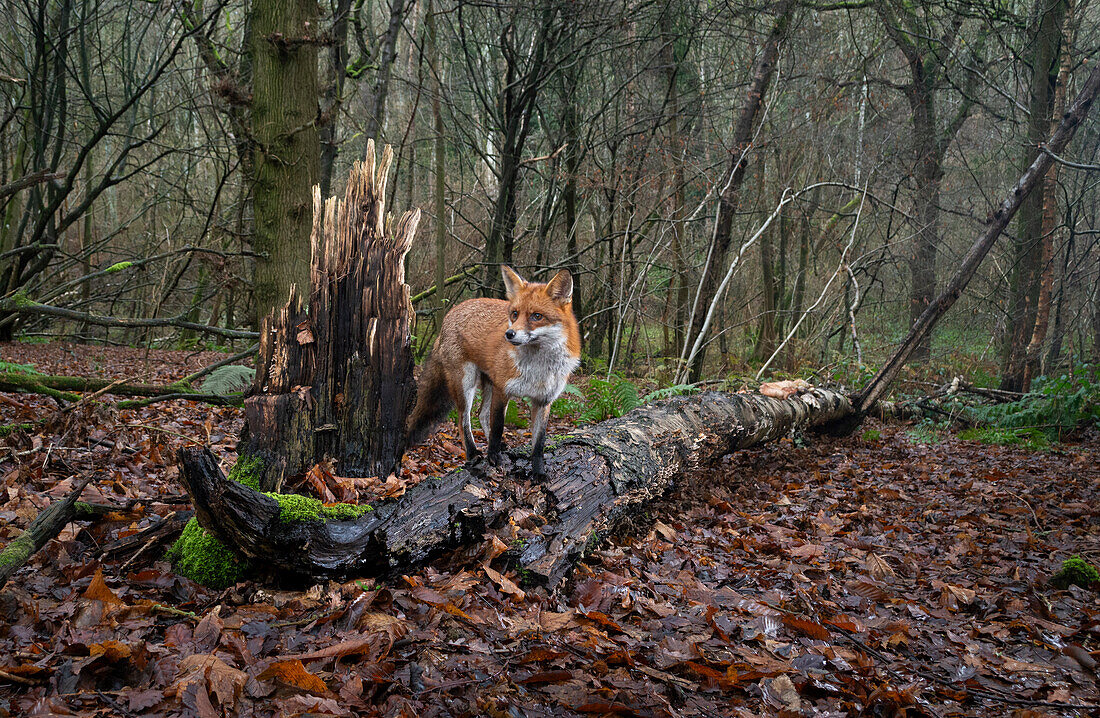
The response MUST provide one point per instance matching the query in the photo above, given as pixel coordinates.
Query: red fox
(525, 347)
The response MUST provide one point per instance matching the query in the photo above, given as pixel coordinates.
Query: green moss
(118, 267)
(872, 435)
(345, 512)
(295, 507)
(17, 552)
(201, 557)
(20, 299)
(8, 429)
(1076, 571)
(247, 471)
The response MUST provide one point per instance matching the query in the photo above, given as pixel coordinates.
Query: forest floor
(871, 575)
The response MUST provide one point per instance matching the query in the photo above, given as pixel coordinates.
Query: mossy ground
(1075, 571)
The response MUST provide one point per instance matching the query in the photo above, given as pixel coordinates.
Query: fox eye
(515, 315)
(535, 316)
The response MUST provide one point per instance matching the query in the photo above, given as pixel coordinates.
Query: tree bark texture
(328, 132)
(1050, 216)
(287, 145)
(1044, 54)
(335, 381)
(595, 477)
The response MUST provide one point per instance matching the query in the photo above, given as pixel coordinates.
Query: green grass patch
(925, 434)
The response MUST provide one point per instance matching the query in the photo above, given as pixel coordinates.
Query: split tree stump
(595, 477)
(334, 376)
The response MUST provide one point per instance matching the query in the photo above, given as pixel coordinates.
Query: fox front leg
(496, 425)
(541, 415)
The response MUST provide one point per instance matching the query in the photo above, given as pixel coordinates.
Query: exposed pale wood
(335, 380)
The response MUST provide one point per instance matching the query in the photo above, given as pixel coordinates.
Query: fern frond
(625, 395)
(669, 392)
(228, 380)
(8, 367)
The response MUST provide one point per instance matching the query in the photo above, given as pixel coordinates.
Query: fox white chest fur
(544, 366)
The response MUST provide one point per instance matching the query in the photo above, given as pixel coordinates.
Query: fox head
(536, 311)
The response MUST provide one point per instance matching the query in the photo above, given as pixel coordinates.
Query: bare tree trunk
(1050, 219)
(376, 97)
(1027, 277)
(730, 197)
(439, 221)
(334, 94)
(287, 164)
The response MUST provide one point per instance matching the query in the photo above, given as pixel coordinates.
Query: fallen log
(595, 477)
(45, 383)
(45, 526)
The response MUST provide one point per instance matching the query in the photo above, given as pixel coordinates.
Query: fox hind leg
(470, 378)
(485, 415)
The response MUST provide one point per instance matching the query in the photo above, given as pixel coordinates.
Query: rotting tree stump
(334, 377)
(595, 477)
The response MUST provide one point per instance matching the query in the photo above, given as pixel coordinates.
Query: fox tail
(433, 402)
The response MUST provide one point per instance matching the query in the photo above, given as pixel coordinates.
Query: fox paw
(538, 466)
(495, 458)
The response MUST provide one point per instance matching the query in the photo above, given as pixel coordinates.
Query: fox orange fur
(525, 347)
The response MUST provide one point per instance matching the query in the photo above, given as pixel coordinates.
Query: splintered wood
(334, 374)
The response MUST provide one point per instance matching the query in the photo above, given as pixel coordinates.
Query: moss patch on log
(201, 557)
(247, 471)
(17, 552)
(295, 507)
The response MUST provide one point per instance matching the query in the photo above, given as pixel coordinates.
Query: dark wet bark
(595, 478)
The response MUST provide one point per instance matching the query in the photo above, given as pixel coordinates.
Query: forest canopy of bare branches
(736, 186)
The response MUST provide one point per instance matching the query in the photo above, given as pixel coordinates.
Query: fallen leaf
(293, 673)
(98, 591)
(506, 584)
(213, 674)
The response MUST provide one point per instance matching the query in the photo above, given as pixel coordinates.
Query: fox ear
(513, 283)
(560, 288)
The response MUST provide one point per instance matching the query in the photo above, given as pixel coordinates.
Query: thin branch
(30, 307)
(1067, 163)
